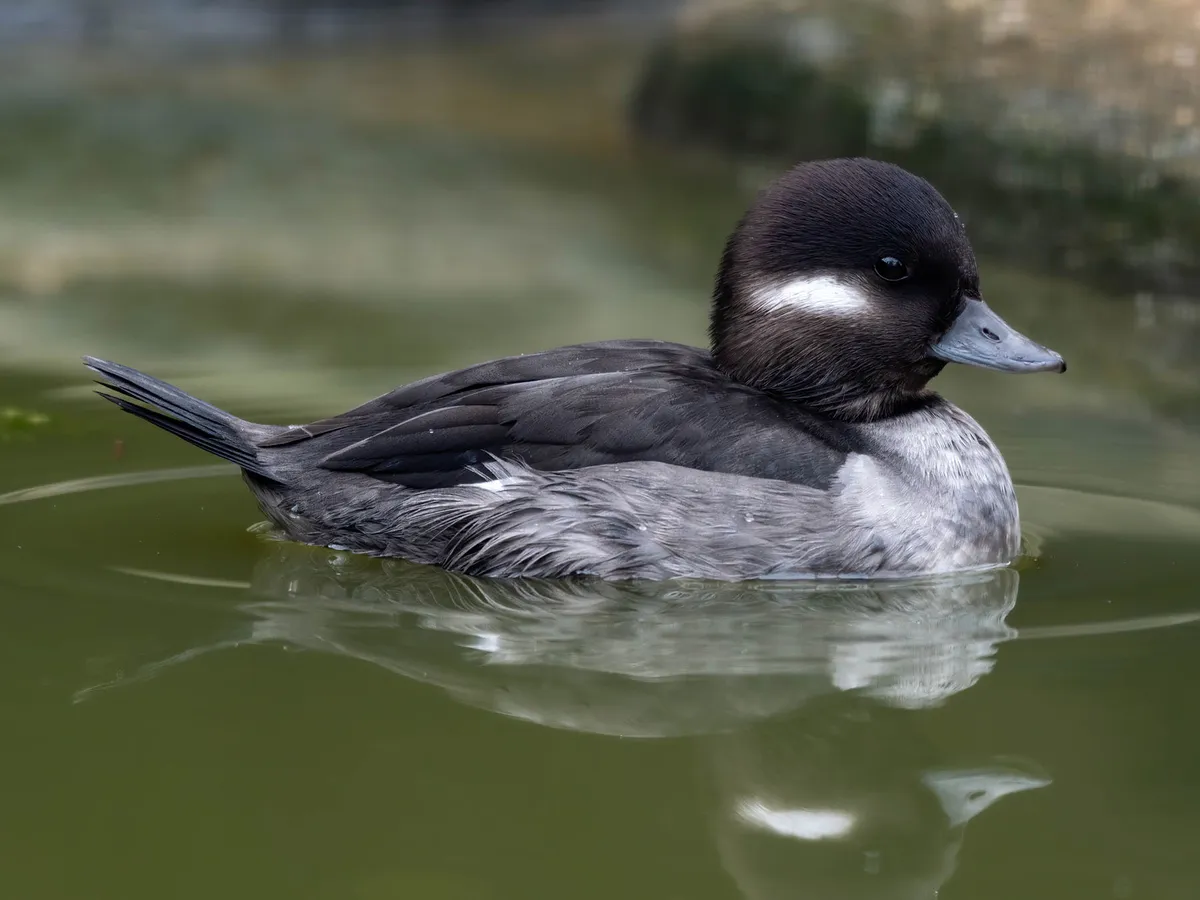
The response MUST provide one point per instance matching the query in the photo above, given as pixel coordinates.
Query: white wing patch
(820, 294)
(496, 485)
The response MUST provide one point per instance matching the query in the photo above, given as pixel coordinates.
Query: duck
(805, 442)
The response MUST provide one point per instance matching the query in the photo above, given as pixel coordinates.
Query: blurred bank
(297, 201)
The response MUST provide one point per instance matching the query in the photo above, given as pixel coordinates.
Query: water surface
(191, 709)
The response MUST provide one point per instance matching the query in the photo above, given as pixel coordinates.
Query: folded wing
(572, 408)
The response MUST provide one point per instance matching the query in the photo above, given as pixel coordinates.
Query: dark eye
(891, 269)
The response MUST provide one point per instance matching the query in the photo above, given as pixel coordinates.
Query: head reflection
(847, 799)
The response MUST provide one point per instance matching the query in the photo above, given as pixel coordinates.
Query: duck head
(848, 285)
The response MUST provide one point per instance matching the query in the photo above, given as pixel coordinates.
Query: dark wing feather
(451, 387)
(573, 407)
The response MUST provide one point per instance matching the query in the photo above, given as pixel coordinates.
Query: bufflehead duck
(804, 443)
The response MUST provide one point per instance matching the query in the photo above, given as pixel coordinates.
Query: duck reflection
(799, 694)
(639, 659)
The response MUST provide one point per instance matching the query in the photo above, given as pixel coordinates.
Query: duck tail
(183, 415)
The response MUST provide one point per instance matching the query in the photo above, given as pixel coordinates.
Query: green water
(190, 710)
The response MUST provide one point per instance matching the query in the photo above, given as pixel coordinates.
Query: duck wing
(571, 408)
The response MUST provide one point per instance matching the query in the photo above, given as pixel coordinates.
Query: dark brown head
(848, 286)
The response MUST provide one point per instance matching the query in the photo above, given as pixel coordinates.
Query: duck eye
(891, 269)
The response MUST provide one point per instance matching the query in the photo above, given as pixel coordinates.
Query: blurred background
(289, 206)
(284, 195)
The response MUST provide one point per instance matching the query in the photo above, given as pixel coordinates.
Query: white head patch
(802, 824)
(819, 294)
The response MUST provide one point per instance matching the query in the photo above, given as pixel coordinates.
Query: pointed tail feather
(183, 415)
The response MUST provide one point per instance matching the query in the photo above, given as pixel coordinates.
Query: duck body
(633, 459)
(804, 444)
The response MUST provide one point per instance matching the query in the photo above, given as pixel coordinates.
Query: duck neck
(841, 399)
